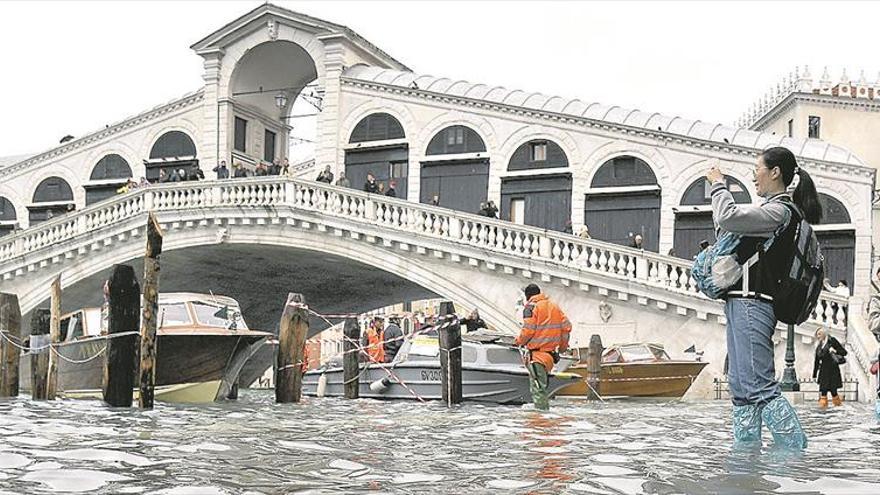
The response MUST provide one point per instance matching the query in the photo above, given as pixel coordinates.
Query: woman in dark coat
(826, 371)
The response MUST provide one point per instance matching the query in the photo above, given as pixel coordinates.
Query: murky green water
(336, 446)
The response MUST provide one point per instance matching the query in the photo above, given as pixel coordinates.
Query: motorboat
(202, 345)
(492, 371)
(635, 370)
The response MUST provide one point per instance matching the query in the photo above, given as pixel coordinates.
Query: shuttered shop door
(461, 185)
(838, 247)
(547, 199)
(618, 218)
(377, 161)
(690, 230)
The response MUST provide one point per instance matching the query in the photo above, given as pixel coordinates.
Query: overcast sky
(72, 67)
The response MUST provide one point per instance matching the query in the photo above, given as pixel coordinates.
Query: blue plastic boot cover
(746, 423)
(782, 421)
(877, 409)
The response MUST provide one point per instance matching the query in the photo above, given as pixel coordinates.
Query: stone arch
(113, 148)
(527, 133)
(737, 170)
(240, 48)
(157, 132)
(396, 110)
(57, 170)
(837, 197)
(416, 270)
(18, 203)
(478, 124)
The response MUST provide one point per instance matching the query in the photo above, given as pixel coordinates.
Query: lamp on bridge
(281, 100)
(789, 381)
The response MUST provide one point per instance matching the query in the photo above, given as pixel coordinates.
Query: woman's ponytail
(806, 197)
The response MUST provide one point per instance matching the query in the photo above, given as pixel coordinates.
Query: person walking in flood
(545, 332)
(751, 321)
(826, 367)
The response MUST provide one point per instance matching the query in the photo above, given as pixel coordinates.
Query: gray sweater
(753, 220)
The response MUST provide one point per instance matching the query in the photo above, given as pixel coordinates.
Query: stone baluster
(545, 249)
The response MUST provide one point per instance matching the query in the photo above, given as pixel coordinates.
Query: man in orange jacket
(544, 333)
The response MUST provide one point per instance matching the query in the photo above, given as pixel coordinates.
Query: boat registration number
(615, 370)
(431, 375)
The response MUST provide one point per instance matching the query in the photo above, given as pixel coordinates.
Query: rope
(6, 337)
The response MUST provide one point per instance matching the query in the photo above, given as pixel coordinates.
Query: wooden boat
(202, 345)
(636, 370)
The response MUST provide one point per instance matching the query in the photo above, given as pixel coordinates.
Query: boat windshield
(637, 353)
(218, 316)
(659, 353)
(173, 315)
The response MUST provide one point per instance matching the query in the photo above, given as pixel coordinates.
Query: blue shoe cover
(782, 421)
(746, 424)
(877, 409)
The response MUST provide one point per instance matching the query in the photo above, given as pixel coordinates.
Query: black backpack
(801, 281)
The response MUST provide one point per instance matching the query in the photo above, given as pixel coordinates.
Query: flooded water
(254, 446)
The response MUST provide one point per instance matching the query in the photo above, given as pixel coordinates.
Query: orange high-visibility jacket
(545, 329)
(376, 345)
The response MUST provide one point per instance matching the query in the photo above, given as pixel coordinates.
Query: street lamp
(281, 100)
(789, 381)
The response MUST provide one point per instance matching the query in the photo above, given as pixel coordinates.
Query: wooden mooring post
(594, 367)
(39, 340)
(54, 337)
(450, 357)
(123, 315)
(10, 327)
(150, 320)
(291, 339)
(350, 361)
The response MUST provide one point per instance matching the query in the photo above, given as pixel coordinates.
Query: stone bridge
(349, 251)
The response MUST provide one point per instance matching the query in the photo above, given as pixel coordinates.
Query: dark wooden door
(385, 164)
(460, 185)
(618, 218)
(838, 247)
(547, 199)
(690, 230)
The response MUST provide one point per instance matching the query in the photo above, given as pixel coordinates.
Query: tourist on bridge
(473, 322)
(826, 367)
(392, 190)
(163, 176)
(326, 175)
(195, 173)
(370, 185)
(491, 209)
(343, 180)
(261, 170)
(238, 171)
(545, 332)
(381, 189)
(751, 321)
(285, 167)
(221, 170)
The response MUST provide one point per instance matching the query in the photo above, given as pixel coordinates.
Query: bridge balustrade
(492, 235)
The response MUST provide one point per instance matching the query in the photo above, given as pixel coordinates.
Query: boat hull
(663, 379)
(189, 367)
(499, 386)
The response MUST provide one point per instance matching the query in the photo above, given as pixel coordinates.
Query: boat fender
(322, 385)
(380, 386)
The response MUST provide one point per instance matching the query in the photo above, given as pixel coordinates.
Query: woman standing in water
(751, 321)
(826, 369)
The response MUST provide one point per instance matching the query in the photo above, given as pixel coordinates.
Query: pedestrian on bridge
(370, 185)
(751, 321)
(545, 332)
(221, 170)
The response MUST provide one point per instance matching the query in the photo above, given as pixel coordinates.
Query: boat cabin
(634, 353)
(176, 311)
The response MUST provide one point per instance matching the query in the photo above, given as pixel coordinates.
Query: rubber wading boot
(747, 424)
(782, 421)
(823, 402)
(837, 400)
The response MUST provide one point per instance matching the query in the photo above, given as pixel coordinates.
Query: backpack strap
(786, 200)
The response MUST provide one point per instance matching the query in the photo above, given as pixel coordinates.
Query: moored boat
(635, 370)
(491, 372)
(202, 345)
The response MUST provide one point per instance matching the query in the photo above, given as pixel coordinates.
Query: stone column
(210, 145)
(328, 147)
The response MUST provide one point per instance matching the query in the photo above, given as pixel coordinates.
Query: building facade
(551, 162)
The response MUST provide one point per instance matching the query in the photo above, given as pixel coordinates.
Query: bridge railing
(574, 253)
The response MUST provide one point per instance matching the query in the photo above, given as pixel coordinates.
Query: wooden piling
(594, 367)
(124, 310)
(350, 368)
(450, 357)
(39, 358)
(10, 327)
(54, 337)
(291, 339)
(150, 319)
